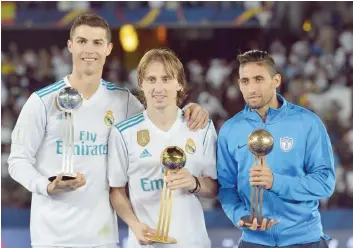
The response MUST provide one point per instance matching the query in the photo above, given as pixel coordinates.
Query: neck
(86, 85)
(163, 118)
(274, 103)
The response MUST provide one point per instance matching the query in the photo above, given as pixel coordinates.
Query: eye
(151, 80)
(81, 41)
(259, 79)
(166, 79)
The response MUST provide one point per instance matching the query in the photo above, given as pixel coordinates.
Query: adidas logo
(145, 153)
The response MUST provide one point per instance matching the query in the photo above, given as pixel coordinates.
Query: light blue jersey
(303, 171)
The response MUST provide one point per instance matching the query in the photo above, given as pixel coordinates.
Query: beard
(256, 106)
(259, 105)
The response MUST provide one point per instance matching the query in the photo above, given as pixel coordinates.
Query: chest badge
(190, 146)
(286, 143)
(109, 118)
(143, 137)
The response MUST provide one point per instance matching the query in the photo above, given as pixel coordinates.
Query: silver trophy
(68, 100)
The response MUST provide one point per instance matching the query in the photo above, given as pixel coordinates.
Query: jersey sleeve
(117, 159)
(26, 139)
(209, 151)
(227, 167)
(319, 180)
(134, 106)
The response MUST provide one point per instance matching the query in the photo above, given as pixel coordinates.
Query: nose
(158, 86)
(251, 88)
(89, 48)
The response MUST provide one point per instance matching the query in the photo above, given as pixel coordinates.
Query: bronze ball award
(260, 143)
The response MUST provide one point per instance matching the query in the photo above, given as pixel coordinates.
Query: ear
(276, 80)
(179, 87)
(109, 49)
(69, 45)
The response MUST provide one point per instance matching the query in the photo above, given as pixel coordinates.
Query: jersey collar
(273, 114)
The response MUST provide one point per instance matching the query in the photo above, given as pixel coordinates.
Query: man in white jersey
(135, 148)
(74, 213)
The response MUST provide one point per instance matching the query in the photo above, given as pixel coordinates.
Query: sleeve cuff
(277, 183)
(117, 184)
(42, 186)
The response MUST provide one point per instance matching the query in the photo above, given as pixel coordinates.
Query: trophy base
(248, 222)
(66, 177)
(157, 239)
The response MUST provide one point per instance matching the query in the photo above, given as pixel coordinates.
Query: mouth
(159, 97)
(89, 59)
(254, 97)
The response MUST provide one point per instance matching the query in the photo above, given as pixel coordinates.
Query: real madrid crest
(190, 146)
(109, 118)
(143, 137)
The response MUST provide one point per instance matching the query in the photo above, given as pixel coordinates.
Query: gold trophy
(173, 159)
(260, 143)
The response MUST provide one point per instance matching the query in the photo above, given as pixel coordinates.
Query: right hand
(59, 186)
(141, 231)
(264, 225)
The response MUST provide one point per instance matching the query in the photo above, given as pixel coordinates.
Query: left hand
(264, 226)
(261, 175)
(196, 116)
(181, 179)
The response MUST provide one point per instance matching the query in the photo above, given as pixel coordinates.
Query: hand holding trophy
(260, 143)
(68, 100)
(173, 159)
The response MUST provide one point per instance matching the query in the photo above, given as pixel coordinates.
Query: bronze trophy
(173, 159)
(260, 143)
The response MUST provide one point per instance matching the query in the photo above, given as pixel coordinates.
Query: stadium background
(311, 42)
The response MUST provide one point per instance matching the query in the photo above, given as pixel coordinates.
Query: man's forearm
(209, 187)
(24, 173)
(310, 187)
(232, 205)
(122, 206)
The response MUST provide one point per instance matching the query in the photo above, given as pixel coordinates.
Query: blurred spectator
(316, 70)
(73, 5)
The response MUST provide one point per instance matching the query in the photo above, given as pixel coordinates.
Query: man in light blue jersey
(75, 213)
(298, 172)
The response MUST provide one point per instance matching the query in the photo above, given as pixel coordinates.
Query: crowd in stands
(316, 69)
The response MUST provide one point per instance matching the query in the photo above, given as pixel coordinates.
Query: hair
(260, 58)
(172, 65)
(91, 20)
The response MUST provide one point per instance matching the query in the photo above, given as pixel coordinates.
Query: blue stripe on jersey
(208, 127)
(128, 121)
(51, 88)
(111, 86)
(131, 125)
(132, 122)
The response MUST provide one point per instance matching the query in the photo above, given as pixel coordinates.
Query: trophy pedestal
(158, 239)
(248, 221)
(66, 177)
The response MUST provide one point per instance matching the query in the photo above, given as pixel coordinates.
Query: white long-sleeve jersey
(83, 217)
(135, 148)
